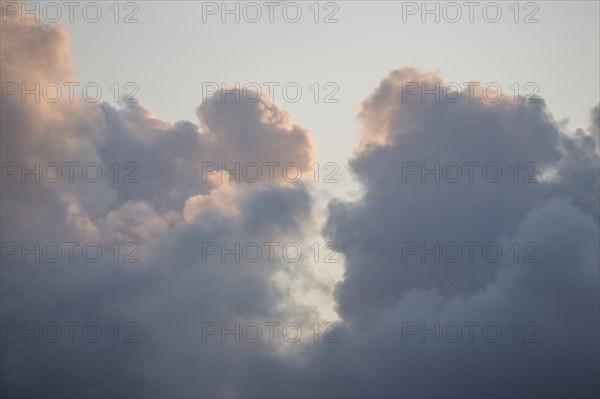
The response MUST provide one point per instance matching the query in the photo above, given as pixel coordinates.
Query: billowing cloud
(168, 210)
(389, 239)
(177, 205)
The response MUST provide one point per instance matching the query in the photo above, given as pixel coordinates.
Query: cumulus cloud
(175, 207)
(558, 214)
(168, 212)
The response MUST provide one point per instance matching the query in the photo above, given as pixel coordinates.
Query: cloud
(558, 214)
(174, 208)
(167, 214)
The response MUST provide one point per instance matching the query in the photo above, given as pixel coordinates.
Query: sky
(300, 199)
(369, 39)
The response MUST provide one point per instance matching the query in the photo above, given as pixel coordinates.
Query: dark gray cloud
(394, 211)
(559, 214)
(168, 214)
(172, 211)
